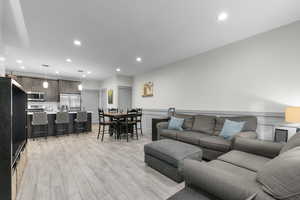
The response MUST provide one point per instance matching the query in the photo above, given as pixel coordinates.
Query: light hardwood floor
(83, 168)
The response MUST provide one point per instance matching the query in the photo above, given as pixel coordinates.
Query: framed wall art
(148, 89)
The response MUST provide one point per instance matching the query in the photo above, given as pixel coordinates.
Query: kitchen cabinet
(68, 86)
(26, 82)
(52, 93)
(54, 89)
(37, 85)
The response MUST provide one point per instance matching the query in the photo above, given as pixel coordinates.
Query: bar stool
(81, 118)
(40, 119)
(62, 123)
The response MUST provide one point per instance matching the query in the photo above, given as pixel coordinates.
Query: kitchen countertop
(54, 112)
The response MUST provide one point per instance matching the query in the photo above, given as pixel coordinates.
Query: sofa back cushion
(188, 120)
(204, 124)
(250, 123)
(292, 142)
(280, 177)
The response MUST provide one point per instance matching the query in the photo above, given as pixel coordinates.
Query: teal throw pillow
(231, 128)
(176, 123)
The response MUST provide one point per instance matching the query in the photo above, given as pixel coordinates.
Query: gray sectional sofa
(252, 170)
(203, 131)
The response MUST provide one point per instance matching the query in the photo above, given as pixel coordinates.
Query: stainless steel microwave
(36, 96)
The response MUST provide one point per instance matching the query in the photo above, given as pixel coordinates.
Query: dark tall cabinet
(13, 138)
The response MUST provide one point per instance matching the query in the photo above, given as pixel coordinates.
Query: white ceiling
(115, 32)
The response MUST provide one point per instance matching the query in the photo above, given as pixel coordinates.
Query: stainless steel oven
(36, 96)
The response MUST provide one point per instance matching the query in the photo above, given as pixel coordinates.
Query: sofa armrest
(259, 147)
(160, 126)
(219, 183)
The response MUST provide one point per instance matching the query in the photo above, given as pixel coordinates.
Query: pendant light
(80, 84)
(45, 82)
(80, 87)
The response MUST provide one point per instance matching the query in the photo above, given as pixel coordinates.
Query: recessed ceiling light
(2, 59)
(77, 42)
(83, 75)
(89, 72)
(22, 67)
(118, 69)
(223, 16)
(68, 60)
(138, 59)
(45, 65)
(56, 72)
(19, 61)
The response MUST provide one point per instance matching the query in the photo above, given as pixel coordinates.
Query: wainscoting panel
(267, 121)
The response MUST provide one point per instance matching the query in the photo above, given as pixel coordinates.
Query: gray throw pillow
(280, 177)
(292, 142)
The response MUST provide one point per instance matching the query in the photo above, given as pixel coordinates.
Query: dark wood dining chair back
(113, 110)
(139, 119)
(130, 123)
(103, 123)
(132, 111)
(101, 116)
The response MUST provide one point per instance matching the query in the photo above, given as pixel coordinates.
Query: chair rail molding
(267, 121)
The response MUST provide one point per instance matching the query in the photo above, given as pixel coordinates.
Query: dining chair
(113, 110)
(129, 125)
(62, 123)
(103, 123)
(139, 119)
(81, 119)
(39, 120)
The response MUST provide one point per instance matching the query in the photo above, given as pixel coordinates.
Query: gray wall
(124, 98)
(259, 74)
(90, 101)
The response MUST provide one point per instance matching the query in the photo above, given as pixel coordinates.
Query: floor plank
(80, 167)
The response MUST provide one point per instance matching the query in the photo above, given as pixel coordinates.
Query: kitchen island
(51, 123)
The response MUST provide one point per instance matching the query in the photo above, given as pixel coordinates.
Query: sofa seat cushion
(190, 137)
(216, 143)
(167, 133)
(204, 124)
(245, 174)
(245, 160)
(223, 180)
(172, 152)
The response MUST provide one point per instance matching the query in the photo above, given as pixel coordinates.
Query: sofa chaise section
(253, 170)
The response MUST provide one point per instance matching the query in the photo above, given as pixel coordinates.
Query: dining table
(118, 117)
